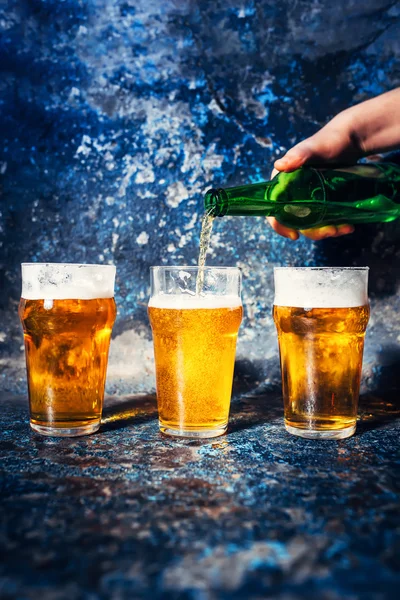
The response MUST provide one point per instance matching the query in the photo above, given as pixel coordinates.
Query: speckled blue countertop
(127, 513)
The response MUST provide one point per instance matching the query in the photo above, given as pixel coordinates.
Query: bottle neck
(216, 202)
(241, 200)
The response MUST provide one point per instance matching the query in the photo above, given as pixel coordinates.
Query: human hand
(332, 144)
(364, 129)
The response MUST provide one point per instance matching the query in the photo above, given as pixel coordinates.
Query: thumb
(296, 157)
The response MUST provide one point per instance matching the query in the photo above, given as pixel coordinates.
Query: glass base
(312, 434)
(194, 433)
(65, 431)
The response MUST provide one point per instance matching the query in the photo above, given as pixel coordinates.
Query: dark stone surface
(116, 115)
(126, 513)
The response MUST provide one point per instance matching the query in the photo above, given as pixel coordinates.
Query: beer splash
(205, 238)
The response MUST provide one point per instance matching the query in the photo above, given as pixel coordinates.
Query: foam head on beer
(62, 281)
(313, 287)
(194, 302)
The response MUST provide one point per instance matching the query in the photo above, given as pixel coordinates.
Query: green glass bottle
(314, 197)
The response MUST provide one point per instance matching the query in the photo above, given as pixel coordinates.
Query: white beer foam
(321, 287)
(58, 281)
(188, 301)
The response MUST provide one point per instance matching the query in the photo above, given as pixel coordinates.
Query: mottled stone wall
(117, 115)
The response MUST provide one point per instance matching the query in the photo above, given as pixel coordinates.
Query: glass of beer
(194, 334)
(321, 315)
(67, 313)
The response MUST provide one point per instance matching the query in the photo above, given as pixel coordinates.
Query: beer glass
(194, 338)
(67, 313)
(321, 315)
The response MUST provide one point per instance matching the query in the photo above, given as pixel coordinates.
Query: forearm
(374, 125)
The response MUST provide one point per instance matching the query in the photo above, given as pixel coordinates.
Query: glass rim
(54, 264)
(321, 268)
(194, 268)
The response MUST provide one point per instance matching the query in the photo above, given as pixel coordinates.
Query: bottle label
(297, 210)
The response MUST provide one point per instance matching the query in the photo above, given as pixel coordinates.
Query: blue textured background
(115, 116)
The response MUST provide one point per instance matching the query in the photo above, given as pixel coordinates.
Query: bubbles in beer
(321, 356)
(66, 348)
(194, 344)
(195, 302)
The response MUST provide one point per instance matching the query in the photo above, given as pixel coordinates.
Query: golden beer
(194, 348)
(66, 348)
(321, 356)
(321, 352)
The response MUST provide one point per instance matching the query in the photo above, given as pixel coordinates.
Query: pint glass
(194, 338)
(67, 313)
(321, 315)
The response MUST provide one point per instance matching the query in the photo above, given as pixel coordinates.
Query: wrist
(351, 129)
(374, 124)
